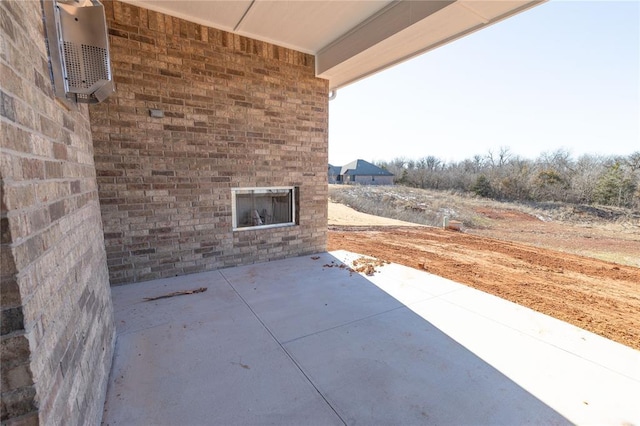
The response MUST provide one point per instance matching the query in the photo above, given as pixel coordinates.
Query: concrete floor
(295, 342)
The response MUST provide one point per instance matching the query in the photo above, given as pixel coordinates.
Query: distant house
(361, 172)
(334, 174)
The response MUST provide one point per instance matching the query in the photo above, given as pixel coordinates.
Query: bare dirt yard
(510, 261)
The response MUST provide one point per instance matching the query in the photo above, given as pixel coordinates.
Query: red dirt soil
(595, 295)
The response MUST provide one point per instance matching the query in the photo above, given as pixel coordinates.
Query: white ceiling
(351, 39)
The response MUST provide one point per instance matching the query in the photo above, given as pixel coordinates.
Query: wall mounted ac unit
(79, 49)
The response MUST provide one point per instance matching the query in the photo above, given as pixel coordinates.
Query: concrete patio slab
(396, 369)
(302, 296)
(304, 341)
(202, 359)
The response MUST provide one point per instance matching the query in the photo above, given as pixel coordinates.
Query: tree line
(553, 176)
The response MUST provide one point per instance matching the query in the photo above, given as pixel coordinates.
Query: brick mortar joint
(19, 241)
(31, 156)
(39, 204)
(16, 333)
(17, 48)
(12, 183)
(33, 131)
(15, 213)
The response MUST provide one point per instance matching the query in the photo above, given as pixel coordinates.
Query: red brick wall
(237, 113)
(57, 319)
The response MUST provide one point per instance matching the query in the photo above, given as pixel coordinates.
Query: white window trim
(263, 188)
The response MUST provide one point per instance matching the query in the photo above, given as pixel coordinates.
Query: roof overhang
(350, 39)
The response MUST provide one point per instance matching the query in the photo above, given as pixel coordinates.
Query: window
(263, 207)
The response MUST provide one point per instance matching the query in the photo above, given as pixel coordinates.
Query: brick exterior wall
(237, 113)
(57, 318)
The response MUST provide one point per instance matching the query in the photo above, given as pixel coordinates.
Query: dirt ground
(615, 242)
(599, 296)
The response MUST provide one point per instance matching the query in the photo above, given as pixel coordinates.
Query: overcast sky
(565, 74)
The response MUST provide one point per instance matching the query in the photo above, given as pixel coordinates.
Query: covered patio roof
(349, 39)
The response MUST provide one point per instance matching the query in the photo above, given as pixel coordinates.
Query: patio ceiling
(350, 39)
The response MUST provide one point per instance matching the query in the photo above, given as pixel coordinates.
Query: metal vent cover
(86, 66)
(79, 49)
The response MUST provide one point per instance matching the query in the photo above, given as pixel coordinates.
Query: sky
(562, 75)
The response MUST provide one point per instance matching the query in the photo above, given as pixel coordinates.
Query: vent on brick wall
(78, 45)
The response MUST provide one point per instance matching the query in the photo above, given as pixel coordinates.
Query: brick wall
(57, 326)
(237, 113)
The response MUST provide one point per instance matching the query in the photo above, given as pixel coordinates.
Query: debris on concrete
(176, 293)
(367, 265)
(363, 265)
(333, 264)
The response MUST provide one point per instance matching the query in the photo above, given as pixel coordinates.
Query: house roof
(349, 39)
(334, 170)
(363, 168)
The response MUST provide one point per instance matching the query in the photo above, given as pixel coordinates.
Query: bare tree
(553, 176)
(504, 155)
(633, 161)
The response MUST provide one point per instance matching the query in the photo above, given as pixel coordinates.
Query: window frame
(234, 209)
